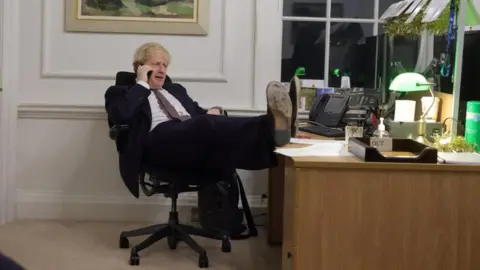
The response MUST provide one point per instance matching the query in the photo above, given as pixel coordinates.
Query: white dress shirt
(158, 115)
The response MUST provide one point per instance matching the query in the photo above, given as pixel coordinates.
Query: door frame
(8, 108)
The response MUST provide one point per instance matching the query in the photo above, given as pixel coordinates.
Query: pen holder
(352, 132)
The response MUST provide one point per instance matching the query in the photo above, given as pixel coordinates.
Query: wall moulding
(48, 72)
(38, 204)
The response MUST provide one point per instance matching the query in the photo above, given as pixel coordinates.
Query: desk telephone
(329, 109)
(326, 114)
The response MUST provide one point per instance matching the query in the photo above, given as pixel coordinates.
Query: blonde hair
(143, 52)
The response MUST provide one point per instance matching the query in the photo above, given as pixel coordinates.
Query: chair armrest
(116, 130)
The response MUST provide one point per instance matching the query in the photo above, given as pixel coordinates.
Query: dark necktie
(168, 108)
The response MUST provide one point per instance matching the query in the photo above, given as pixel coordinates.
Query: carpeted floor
(48, 245)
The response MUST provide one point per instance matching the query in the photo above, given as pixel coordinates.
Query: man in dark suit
(6, 263)
(169, 130)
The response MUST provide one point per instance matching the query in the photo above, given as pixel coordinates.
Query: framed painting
(168, 17)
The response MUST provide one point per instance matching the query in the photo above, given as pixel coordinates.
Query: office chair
(169, 182)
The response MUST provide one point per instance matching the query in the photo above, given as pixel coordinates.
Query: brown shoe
(295, 97)
(280, 108)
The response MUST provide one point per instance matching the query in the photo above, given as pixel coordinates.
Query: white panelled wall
(65, 165)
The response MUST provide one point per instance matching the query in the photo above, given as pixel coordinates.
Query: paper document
(322, 148)
(309, 141)
(459, 158)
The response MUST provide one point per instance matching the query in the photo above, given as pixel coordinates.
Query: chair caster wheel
(172, 242)
(226, 246)
(254, 233)
(123, 243)
(203, 261)
(134, 258)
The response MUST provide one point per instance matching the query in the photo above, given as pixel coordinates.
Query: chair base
(174, 232)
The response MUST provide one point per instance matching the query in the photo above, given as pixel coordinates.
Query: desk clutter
(365, 149)
(352, 120)
(335, 109)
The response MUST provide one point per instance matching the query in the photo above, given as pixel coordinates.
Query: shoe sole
(295, 87)
(280, 107)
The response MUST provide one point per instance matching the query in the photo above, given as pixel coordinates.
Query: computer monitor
(471, 67)
(381, 58)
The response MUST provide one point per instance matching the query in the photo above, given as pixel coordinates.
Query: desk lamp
(414, 82)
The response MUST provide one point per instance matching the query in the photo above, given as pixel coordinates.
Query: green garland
(447, 143)
(397, 26)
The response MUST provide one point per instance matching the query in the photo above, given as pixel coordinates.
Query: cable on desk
(318, 124)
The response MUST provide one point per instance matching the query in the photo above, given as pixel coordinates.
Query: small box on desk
(403, 151)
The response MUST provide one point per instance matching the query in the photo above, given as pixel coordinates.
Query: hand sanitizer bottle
(381, 132)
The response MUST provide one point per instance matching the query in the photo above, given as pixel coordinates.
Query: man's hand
(142, 72)
(215, 111)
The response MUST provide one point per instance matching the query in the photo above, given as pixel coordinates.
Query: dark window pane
(440, 45)
(362, 9)
(381, 29)
(445, 84)
(303, 46)
(318, 8)
(471, 69)
(351, 54)
(377, 59)
(405, 51)
(383, 5)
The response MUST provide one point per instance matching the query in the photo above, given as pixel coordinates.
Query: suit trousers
(6, 263)
(213, 142)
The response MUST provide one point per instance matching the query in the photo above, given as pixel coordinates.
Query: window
(345, 25)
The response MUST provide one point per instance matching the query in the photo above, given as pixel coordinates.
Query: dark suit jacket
(7, 263)
(129, 105)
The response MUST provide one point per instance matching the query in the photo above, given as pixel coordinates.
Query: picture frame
(166, 17)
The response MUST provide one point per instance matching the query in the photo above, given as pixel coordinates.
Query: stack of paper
(459, 158)
(309, 141)
(320, 148)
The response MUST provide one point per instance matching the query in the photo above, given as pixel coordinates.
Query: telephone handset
(149, 74)
(329, 109)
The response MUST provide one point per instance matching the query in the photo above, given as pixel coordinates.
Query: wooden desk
(341, 213)
(276, 180)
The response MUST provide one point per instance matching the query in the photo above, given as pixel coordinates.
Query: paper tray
(360, 147)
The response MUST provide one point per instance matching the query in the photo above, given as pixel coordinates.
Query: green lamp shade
(409, 82)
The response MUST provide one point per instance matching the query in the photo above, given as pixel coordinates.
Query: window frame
(328, 20)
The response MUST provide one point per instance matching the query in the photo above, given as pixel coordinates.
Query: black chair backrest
(129, 78)
(125, 78)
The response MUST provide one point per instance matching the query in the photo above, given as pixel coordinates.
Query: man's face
(158, 61)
